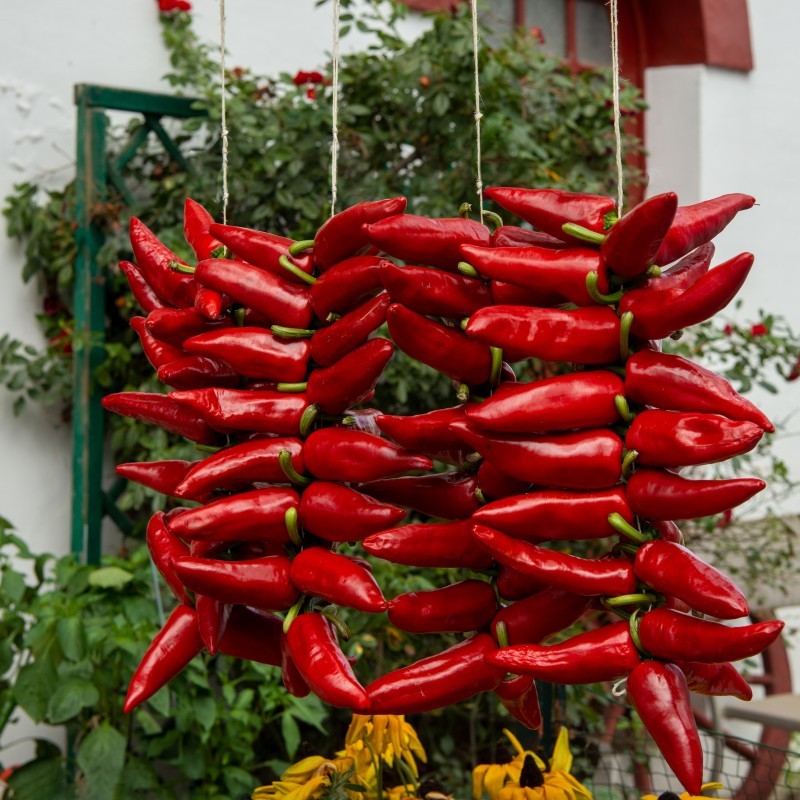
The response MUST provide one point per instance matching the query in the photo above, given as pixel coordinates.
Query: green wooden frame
(95, 170)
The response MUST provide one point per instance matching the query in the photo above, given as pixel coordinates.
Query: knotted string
(478, 116)
(335, 107)
(615, 94)
(223, 119)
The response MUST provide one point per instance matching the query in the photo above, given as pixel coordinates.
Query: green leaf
(6, 656)
(69, 699)
(101, 757)
(238, 782)
(13, 585)
(41, 779)
(71, 638)
(35, 684)
(110, 578)
(440, 104)
(291, 733)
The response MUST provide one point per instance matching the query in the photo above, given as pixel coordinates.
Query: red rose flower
(728, 329)
(311, 93)
(794, 374)
(302, 78)
(759, 329)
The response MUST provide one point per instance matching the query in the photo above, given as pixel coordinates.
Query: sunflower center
(530, 775)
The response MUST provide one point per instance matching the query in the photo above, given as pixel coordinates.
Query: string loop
(615, 98)
(223, 119)
(478, 116)
(335, 107)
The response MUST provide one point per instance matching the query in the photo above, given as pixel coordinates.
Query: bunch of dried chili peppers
(269, 348)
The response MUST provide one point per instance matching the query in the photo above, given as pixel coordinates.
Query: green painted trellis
(95, 171)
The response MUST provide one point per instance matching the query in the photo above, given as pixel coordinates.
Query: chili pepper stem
(579, 232)
(618, 611)
(501, 631)
(238, 317)
(625, 322)
(497, 366)
(465, 268)
(622, 526)
(592, 279)
(307, 419)
(292, 387)
(479, 495)
(627, 463)
(464, 209)
(290, 518)
(286, 263)
(330, 613)
(639, 598)
(653, 271)
(207, 448)
(220, 252)
(292, 613)
(300, 246)
(291, 333)
(633, 624)
(176, 266)
(462, 393)
(623, 409)
(495, 219)
(285, 461)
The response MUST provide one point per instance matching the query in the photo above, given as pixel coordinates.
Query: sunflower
(387, 737)
(527, 777)
(686, 796)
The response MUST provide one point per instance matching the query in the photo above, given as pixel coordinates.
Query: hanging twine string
(615, 93)
(478, 115)
(223, 120)
(335, 107)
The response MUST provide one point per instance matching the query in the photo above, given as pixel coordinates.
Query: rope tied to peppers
(477, 113)
(223, 115)
(335, 106)
(615, 99)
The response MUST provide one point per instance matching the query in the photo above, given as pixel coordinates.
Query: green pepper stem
(624, 614)
(299, 246)
(290, 518)
(623, 409)
(285, 461)
(633, 624)
(625, 322)
(296, 271)
(622, 526)
(639, 598)
(579, 232)
(329, 612)
(465, 268)
(238, 317)
(307, 420)
(495, 219)
(610, 219)
(291, 333)
(462, 393)
(292, 613)
(592, 279)
(176, 266)
(291, 387)
(624, 547)
(220, 252)
(479, 495)
(627, 463)
(207, 448)
(501, 632)
(464, 209)
(653, 271)
(497, 366)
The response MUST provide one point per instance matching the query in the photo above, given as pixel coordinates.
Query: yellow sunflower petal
(514, 741)
(562, 757)
(377, 738)
(312, 788)
(357, 725)
(303, 769)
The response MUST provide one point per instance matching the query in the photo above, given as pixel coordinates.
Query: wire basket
(628, 765)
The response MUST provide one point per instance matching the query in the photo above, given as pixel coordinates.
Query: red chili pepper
(675, 383)
(343, 236)
(682, 439)
(254, 635)
(241, 465)
(254, 352)
(161, 410)
(445, 349)
(457, 608)
(293, 681)
(512, 236)
(565, 402)
(261, 249)
(656, 494)
(667, 530)
(588, 459)
(561, 273)
(332, 343)
(428, 432)
(699, 223)
(175, 325)
(520, 698)
(653, 318)
(165, 549)
(422, 240)
(141, 290)
(441, 680)
(671, 635)
(633, 241)
(338, 579)
(598, 576)
(715, 679)
(212, 617)
(211, 304)
(153, 260)
(604, 654)
(318, 658)
(258, 582)
(156, 352)
(281, 302)
(495, 483)
(258, 514)
(339, 454)
(350, 380)
(196, 222)
(672, 569)
(538, 616)
(344, 286)
(433, 292)
(173, 647)
(507, 294)
(555, 514)
(582, 335)
(433, 544)
(444, 495)
(338, 513)
(660, 696)
(161, 476)
(549, 209)
(242, 410)
(198, 372)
